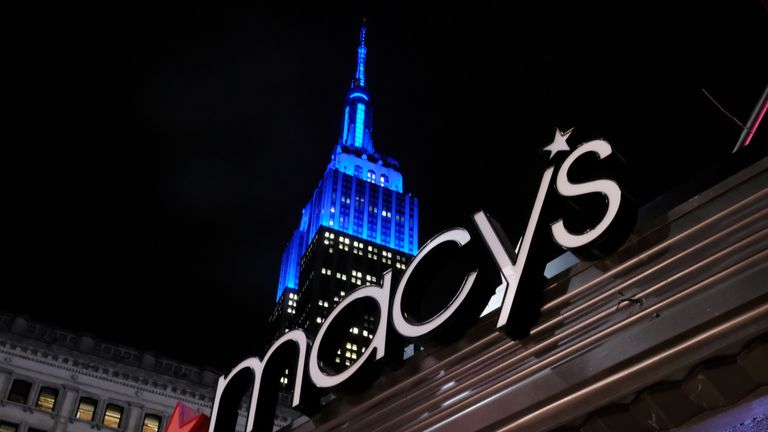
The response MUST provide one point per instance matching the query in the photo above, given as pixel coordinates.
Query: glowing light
(752, 130)
(346, 124)
(358, 94)
(359, 125)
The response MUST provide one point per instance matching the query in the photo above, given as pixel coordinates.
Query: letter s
(608, 188)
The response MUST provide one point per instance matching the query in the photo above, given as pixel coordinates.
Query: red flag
(186, 419)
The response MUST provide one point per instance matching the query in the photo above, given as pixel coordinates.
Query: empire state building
(358, 223)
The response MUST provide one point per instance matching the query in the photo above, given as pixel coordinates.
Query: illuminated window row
(322, 303)
(85, 410)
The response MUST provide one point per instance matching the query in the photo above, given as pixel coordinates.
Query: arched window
(371, 176)
(358, 171)
(384, 179)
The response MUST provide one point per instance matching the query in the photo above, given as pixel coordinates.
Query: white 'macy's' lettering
(456, 235)
(609, 188)
(379, 341)
(512, 270)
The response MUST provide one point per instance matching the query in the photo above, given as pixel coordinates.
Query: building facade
(358, 223)
(53, 380)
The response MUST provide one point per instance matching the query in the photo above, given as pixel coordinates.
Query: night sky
(158, 158)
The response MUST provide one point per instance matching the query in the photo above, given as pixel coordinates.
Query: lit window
(330, 222)
(283, 380)
(112, 416)
(365, 333)
(346, 362)
(46, 399)
(151, 423)
(342, 293)
(338, 360)
(19, 391)
(319, 320)
(354, 356)
(349, 345)
(8, 427)
(85, 409)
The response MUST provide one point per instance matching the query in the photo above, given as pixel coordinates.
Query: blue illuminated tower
(357, 224)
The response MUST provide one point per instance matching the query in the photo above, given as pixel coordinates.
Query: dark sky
(158, 158)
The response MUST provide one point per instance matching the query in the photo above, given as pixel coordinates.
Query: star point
(558, 143)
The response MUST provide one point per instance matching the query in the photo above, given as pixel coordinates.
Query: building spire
(356, 129)
(361, 51)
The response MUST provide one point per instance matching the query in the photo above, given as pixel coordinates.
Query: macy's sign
(607, 224)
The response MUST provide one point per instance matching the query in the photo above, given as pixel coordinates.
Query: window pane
(8, 427)
(112, 416)
(151, 423)
(46, 400)
(85, 409)
(19, 391)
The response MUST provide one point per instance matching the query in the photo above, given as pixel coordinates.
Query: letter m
(249, 373)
